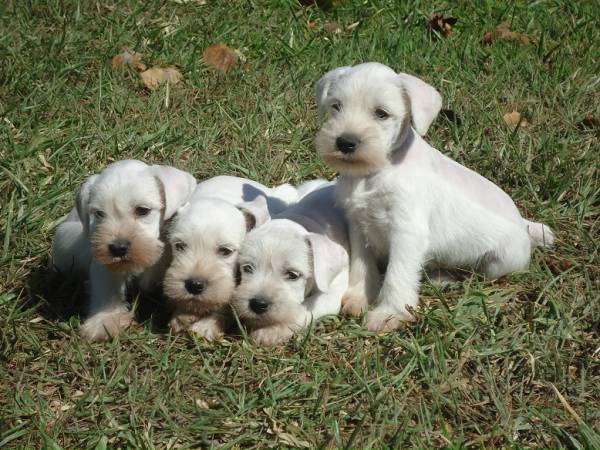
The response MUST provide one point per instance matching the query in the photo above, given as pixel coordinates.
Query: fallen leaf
(514, 119)
(558, 266)
(220, 57)
(442, 24)
(128, 57)
(201, 404)
(352, 26)
(290, 439)
(502, 32)
(589, 122)
(332, 27)
(156, 76)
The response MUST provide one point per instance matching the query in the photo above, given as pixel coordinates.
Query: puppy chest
(372, 214)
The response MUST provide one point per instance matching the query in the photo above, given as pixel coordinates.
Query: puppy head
(205, 237)
(369, 108)
(123, 208)
(280, 265)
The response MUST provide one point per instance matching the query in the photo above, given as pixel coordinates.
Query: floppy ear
(82, 203)
(176, 185)
(256, 212)
(324, 84)
(425, 101)
(328, 259)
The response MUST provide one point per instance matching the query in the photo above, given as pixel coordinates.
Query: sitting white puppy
(409, 207)
(205, 236)
(114, 232)
(294, 268)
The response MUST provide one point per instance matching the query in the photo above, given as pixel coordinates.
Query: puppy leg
(181, 321)
(364, 275)
(211, 327)
(512, 253)
(108, 314)
(400, 289)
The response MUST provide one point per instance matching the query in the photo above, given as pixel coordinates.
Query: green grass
(486, 363)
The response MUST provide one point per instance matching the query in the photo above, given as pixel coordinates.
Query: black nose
(346, 143)
(259, 305)
(119, 247)
(195, 286)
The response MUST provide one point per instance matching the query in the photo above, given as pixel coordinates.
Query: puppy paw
(103, 326)
(353, 304)
(385, 320)
(180, 323)
(273, 335)
(210, 328)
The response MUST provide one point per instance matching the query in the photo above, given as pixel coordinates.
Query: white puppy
(115, 232)
(408, 205)
(205, 237)
(294, 268)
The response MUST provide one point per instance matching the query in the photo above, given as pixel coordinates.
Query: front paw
(273, 335)
(385, 320)
(103, 326)
(354, 304)
(180, 323)
(210, 328)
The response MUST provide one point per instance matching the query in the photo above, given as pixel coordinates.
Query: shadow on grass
(58, 298)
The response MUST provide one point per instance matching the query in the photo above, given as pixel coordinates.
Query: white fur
(409, 206)
(309, 241)
(106, 209)
(205, 237)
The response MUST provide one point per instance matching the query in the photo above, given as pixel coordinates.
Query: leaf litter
(503, 32)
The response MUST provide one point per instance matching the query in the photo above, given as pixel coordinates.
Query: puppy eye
(99, 214)
(247, 268)
(142, 211)
(180, 246)
(382, 113)
(337, 106)
(225, 251)
(292, 275)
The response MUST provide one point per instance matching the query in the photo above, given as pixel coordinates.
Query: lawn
(509, 363)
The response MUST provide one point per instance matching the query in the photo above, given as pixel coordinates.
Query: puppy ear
(255, 212)
(328, 259)
(82, 203)
(176, 187)
(324, 84)
(425, 101)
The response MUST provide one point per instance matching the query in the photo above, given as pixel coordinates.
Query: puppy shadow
(249, 193)
(59, 297)
(55, 296)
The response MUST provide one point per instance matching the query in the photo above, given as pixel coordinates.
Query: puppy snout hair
(409, 206)
(293, 269)
(205, 238)
(114, 232)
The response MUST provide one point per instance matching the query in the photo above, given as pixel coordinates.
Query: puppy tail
(540, 235)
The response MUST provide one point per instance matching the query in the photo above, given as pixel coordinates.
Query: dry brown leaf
(156, 76)
(221, 57)
(589, 122)
(502, 31)
(559, 265)
(514, 119)
(442, 24)
(128, 57)
(332, 27)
